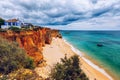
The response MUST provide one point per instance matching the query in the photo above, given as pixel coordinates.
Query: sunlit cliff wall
(32, 40)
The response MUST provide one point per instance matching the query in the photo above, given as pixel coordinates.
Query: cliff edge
(32, 40)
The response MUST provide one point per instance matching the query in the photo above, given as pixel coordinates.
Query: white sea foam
(88, 61)
(74, 49)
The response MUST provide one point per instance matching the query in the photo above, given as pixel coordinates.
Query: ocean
(101, 47)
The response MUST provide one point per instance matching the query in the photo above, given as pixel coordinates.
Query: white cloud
(102, 23)
(73, 14)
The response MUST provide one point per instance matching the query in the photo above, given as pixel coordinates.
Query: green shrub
(12, 57)
(1, 22)
(13, 28)
(68, 69)
(21, 74)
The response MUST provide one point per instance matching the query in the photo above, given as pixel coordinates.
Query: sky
(65, 14)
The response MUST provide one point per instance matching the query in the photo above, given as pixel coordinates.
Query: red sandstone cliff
(32, 40)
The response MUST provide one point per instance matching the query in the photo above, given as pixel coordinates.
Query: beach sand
(56, 50)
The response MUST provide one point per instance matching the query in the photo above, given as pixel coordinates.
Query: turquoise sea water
(107, 56)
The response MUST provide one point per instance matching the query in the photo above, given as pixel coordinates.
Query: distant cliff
(32, 40)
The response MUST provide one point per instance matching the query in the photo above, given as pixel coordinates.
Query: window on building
(13, 23)
(9, 23)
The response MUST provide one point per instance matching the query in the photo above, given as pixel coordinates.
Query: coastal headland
(32, 41)
(47, 46)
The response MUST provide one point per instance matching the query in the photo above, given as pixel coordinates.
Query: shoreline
(57, 50)
(81, 54)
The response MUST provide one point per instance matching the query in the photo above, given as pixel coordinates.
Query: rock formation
(55, 33)
(32, 40)
(99, 44)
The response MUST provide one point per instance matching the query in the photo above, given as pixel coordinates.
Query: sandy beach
(56, 50)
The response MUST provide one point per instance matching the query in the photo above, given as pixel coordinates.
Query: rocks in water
(99, 45)
(59, 36)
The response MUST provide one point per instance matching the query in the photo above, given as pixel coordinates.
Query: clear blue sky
(65, 14)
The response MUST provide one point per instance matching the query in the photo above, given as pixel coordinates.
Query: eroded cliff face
(32, 40)
(55, 33)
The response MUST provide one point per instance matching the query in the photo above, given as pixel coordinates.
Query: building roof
(12, 20)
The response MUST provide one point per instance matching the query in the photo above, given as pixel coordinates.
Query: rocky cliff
(32, 40)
